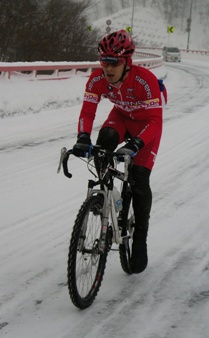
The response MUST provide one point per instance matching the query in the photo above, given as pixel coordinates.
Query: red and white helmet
(116, 44)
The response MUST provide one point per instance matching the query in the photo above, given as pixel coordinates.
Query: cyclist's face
(113, 72)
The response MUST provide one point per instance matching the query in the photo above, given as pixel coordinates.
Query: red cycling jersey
(138, 104)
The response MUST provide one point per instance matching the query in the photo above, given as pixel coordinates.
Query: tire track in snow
(168, 296)
(157, 304)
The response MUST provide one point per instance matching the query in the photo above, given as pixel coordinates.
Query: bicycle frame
(108, 210)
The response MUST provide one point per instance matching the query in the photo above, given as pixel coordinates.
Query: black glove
(131, 147)
(82, 145)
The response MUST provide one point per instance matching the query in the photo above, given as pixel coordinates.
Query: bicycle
(98, 224)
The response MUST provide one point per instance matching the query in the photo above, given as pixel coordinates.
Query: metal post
(132, 18)
(189, 30)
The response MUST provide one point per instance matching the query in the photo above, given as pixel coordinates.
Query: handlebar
(63, 161)
(95, 150)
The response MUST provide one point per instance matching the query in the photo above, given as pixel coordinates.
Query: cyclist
(138, 99)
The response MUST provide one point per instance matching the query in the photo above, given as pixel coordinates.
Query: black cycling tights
(142, 195)
(108, 138)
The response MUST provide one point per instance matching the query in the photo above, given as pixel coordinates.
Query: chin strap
(125, 70)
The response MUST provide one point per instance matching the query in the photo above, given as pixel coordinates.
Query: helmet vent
(117, 44)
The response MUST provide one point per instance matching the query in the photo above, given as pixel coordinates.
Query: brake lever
(62, 156)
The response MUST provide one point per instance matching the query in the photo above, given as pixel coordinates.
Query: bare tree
(54, 30)
(12, 24)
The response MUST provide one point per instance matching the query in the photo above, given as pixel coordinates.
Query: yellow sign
(170, 29)
(128, 29)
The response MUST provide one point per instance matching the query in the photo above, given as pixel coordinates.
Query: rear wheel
(127, 232)
(86, 260)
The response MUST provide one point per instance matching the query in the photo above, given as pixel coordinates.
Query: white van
(172, 54)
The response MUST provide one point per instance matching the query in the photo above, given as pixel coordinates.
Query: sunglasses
(114, 62)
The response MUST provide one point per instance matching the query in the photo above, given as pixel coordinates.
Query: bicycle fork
(104, 236)
(109, 234)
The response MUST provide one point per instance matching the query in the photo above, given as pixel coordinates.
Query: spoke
(88, 259)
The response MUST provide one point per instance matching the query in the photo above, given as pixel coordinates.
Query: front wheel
(86, 259)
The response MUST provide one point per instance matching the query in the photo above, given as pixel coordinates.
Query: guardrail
(64, 70)
(192, 51)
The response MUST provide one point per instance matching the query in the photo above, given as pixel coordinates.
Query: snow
(38, 207)
(170, 299)
(150, 26)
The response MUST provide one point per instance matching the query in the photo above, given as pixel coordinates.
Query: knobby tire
(86, 265)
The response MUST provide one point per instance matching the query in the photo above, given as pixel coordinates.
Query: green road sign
(128, 29)
(170, 29)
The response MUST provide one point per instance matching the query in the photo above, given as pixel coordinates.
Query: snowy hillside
(150, 26)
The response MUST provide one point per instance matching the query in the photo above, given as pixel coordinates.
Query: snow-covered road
(170, 299)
